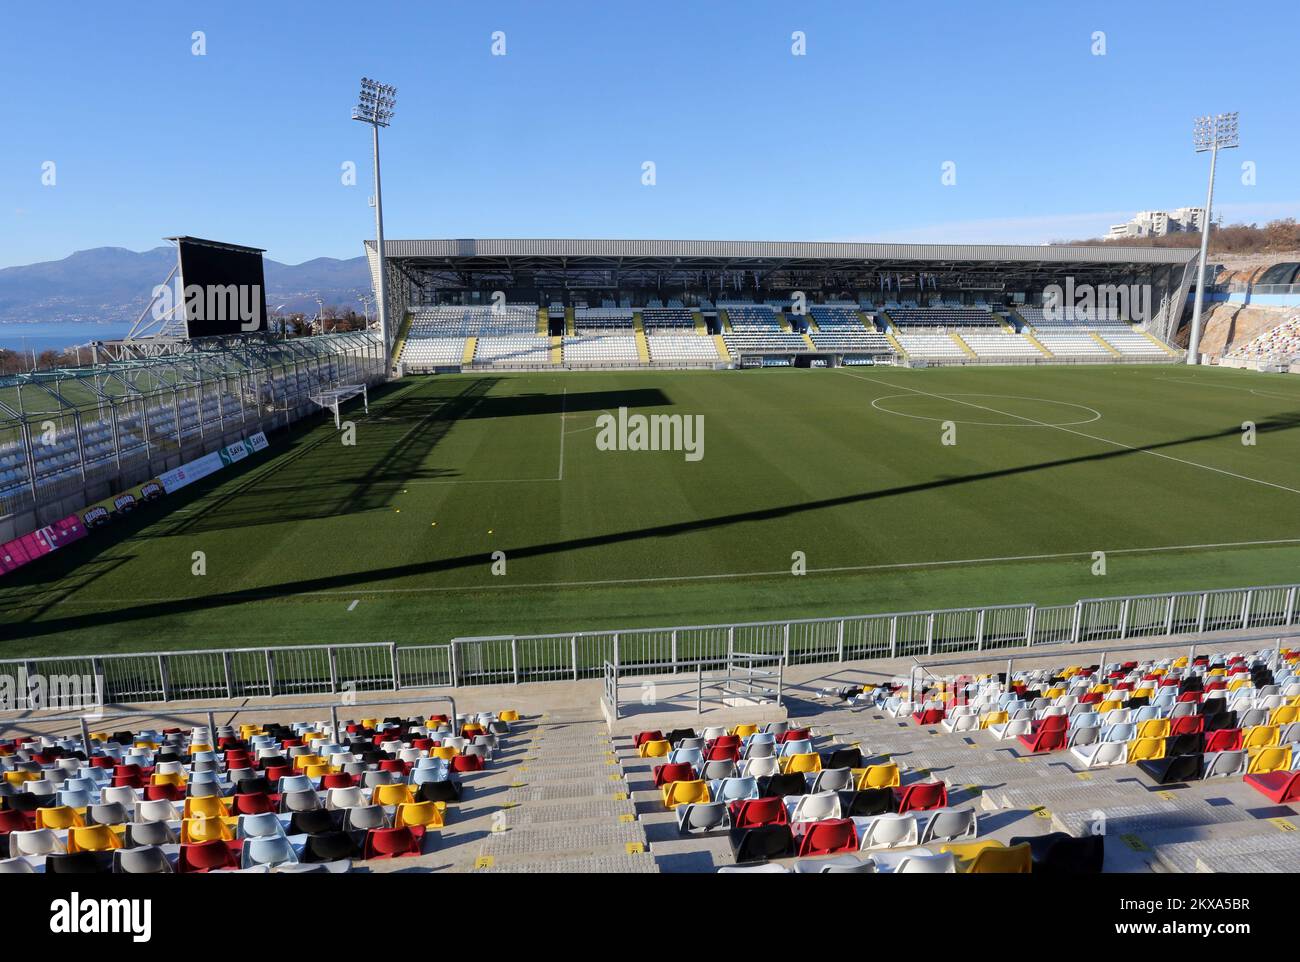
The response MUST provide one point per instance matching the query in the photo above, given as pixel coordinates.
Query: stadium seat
(880, 776)
(678, 793)
(921, 796)
(752, 813)
(386, 843)
(92, 838)
(202, 857)
(1016, 859)
(679, 772)
(1279, 786)
(1173, 769)
(828, 837)
(699, 818)
(761, 843)
(1058, 853)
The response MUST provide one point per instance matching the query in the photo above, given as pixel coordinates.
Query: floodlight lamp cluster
(375, 103)
(1219, 131)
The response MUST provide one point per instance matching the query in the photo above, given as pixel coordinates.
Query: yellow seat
(92, 838)
(58, 816)
(1260, 736)
(966, 851)
(1269, 759)
(302, 762)
(744, 731)
(168, 778)
(681, 793)
(508, 715)
(804, 762)
(319, 770)
(654, 749)
(399, 794)
(205, 806)
(100, 737)
(17, 778)
(1240, 683)
(427, 814)
(445, 752)
(880, 776)
(200, 747)
(206, 829)
(1220, 672)
(994, 718)
(1102, 689)
(1108, 706)
(1284, 715)
(1054, 693)
(1154, 728)
(1016, 860)
(370, 722)
(1179, 662)
(1146, 749)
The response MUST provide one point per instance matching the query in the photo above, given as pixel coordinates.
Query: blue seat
(691, 756)
(733, 789)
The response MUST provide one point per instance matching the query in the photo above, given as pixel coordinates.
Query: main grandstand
(589, 304)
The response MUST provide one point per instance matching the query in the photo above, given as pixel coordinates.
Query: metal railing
(573, 656)
(738, 674)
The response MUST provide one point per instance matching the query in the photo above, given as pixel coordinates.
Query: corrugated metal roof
(543, 247)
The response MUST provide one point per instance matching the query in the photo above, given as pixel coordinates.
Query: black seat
(315, 822)
(1221, 720)
(1170, 771)
(29, 802)
(80, 863)
(331, 846)
(762, 843)
(782, 786)
(843, 758)
(256, 785)
(1058, 853)
(1192, 743)
(448, 791)
(677, 734)
(868, 801)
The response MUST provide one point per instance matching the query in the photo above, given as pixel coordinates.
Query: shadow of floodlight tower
(1212, 134)
(375, 106)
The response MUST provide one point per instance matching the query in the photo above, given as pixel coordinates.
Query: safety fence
(573, 656)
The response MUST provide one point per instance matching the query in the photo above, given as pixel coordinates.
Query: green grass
(793, 461)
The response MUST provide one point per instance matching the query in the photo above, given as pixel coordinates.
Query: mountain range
(113, 284)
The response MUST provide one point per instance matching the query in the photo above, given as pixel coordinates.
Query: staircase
(642, 346)
(956, 339)
(1097, 337)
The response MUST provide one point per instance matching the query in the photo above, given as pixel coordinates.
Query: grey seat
(832, 780)
(300, 802)
(147, 860)
(949, 824)
(698, 818)
(840, 865)
(267, 850)
(1226, 764)
(371, 779)
(113, 813)
(365, 817)
(341, 867)
(16, 866)
(718, 769)
(140, 834)
(1084, 736)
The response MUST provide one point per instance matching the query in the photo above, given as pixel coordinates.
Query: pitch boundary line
(732, 575)
(1082, 434)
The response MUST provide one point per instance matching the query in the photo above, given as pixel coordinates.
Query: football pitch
(483, 503)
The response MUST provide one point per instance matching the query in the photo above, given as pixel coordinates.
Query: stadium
(659, 556)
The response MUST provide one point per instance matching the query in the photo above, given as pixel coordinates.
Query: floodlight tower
(375, 106)
(1212, 134)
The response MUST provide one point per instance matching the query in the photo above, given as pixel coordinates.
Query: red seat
(921, 796)
(724, 740)
(423, 744)
(828, 837)
(12, 821)
(1281, 787)
(753, 812)
(1223, 740)
(931, 716)
(207, 856)
(394, 765)
(794, 735)
(1092, 698)
(467, 763)
(1187, 725)
(171, 793)
(1043, 740)
(254, 803)
(643, 737)
(337, 780)
(393, 842)
(103, 761)
(1189, 696)
(677, 772)
(723, 753)
(277, 772)
(1052, 723)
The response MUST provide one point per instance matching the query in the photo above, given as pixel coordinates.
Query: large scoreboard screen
(224, 288)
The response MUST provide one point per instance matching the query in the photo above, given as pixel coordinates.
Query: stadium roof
(912, 255)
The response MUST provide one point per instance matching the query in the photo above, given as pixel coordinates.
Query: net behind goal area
(331, 400)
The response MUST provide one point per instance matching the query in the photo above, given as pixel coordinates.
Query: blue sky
(246, 143)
